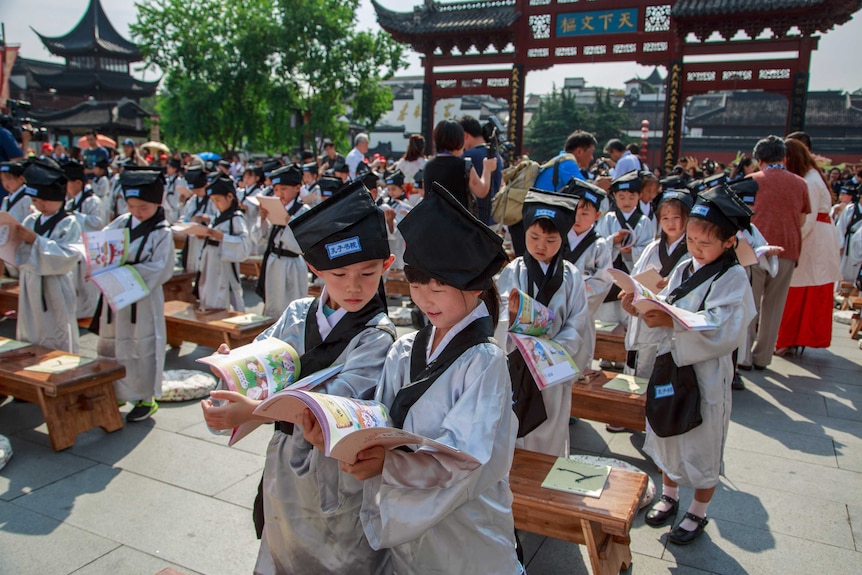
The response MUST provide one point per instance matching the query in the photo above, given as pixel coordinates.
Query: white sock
(672, 492)
(697, 508)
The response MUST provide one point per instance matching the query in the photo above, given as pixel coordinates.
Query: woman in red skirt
(807, 318)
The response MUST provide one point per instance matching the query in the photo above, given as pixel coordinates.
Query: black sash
(423, 376)
(227, 216)
(11, 203)
(848, 234)
(619, 263)
(692, 281)
(633, 219)
(200, 206)
(669, 261)
(260, 288)
(544, 284)
(588, 240)
(142, 230)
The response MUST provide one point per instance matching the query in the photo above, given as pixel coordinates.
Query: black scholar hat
(629, 182)
(745, 189)
(175, 163)
(396, 178)
(289, 175)
(74, 171)
(329, 185)
(340, 167)
(144, 184)
(721, 206)
(586, 191)
(370, 178)
(448, 243)
(310, 167)
(196, 178)
(48, 180)
(221, 186)
(683, 196)
(346, 229)
(558, 208)
(14, 168)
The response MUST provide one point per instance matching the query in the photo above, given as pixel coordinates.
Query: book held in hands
(106, 253)
(645, 301)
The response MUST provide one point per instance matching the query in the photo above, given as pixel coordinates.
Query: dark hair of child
(546, 225)
(490, 296)
(678, 207)
(710, 229)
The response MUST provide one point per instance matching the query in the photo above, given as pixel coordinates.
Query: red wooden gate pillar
(516, 110)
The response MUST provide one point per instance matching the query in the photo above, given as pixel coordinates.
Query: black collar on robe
(143, 230)
(589, 239)
(423, 376)
(226, 215)
(545, 284)
(691, 281)
(633, 220)
(319, 353)
(76, 204)
(669, 260)
(200, 204)
(45, 228)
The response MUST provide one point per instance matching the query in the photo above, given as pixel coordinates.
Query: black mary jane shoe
(680, 536)
(658, 518)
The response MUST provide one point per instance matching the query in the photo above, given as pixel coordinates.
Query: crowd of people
(755, 254)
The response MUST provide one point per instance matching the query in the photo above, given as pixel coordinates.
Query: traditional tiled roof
(449, 18)
(122, 114)
(93, 34)
(89, 82)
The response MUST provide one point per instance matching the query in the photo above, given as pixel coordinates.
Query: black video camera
(495, 137)
(18, 121)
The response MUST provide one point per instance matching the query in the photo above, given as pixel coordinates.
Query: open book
(645, 300)
(258, 369)
(189, 228)
(349, 425)
(276, 213)
(9, 242)
(106, 252)
(548, 361)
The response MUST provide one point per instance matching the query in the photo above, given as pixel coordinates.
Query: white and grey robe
(219, 285)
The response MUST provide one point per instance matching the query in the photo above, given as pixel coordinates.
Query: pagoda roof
(125, 114)
(88, 82)
(703, 17)
(93, 34)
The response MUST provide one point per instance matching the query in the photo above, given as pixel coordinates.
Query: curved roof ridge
(93, 33)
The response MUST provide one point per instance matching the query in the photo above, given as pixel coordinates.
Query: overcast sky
(834, 66)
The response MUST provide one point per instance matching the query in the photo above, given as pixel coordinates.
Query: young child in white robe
(448, 382)
(135, 335)
(307, 512)
(18, 202)
(197, 209)
(174, 182)
(83, 204)
(226, 244)
(714, 285)
(284, 275)
(544, 274)
(46, 260)
(591, 254)
(628, 232)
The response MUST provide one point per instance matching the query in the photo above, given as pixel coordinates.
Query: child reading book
(590, 253)
(198, 209)
(226, 244)
(628, 232)
(135, 335)
(87, 208)
(712, 284)
(307, 512)
(284, 275)
(660, 255)
(544, 274)
(448, 382)
(45, 260)
(17, 202)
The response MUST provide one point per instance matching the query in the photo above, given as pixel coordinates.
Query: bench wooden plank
(592, 401)
(611, 345)
(250, 267)
(185, 322)
(73, 401)
(8, 297)
(602, 524)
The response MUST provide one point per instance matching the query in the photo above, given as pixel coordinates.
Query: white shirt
(352, 160)
(325, 325)
(480, 311)
(628, 162)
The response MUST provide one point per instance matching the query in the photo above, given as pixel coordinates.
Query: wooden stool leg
(607, 556)
(68, 415)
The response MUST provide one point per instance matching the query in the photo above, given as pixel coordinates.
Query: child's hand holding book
(369, 463)
(236, 409)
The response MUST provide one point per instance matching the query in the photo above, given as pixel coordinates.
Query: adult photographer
(9, 149)
(477, 147)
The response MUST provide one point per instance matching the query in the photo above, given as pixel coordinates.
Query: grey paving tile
(819, 450)
(733, 549)
(646, 565)
(256, 442)
(182, 527)
(855, 514)
(242, 492)
(33, 466)
(556, 556)
(175, 459)
(178, 416)
(588, 437)
(128, 561)
(33, 544)
(850, 457)
(532, 544)
(15, 417)
(844, 408)
(803, 479)
(777, 511)
(802, 403)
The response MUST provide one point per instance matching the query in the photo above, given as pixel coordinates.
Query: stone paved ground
(166, 492)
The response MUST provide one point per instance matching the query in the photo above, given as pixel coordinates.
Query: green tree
(559, 114)
(262, 73)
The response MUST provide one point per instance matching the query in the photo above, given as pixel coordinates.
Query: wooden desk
(73, 401)
(592, 401)
(611, 345)
(180, 287)
(250, 267)
(602, 524)
(185, 323)
(396, 283)
(8, 296)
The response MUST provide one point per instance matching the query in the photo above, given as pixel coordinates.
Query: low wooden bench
(602, 524)
(180, 287)
(855, 303)
(590, 400)
(73, 401)
(8, 297)
(846, 290)
(185, 322)
(611, 345)
(251, 267)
